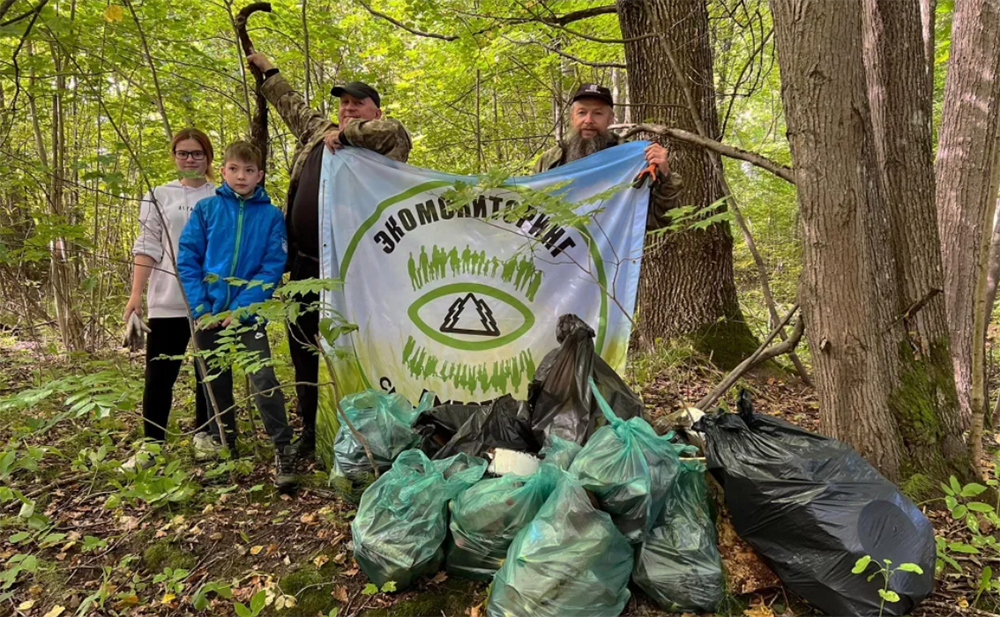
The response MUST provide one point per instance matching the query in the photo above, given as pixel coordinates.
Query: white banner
(464, 303)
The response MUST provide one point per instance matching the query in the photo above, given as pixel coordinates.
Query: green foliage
(885, 571)
(256, 605)
(200, 600)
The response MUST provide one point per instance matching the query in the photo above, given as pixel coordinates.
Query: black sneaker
(305, 447)
(285, 478)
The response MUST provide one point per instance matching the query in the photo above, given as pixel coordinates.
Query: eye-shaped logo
(471, 316)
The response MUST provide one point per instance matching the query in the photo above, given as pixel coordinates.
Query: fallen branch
(782, 171)
(952, 608)
(336, 405)
(762, 354)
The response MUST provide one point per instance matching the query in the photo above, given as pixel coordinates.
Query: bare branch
(782, 171)
(556, 50)
(755, 358)
(399, 24)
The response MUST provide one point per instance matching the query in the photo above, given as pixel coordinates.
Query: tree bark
(871, 383)
(687, 284)
(966, 172)
(928, 9)
(900, 102)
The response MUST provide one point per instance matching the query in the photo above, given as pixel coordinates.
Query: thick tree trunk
(900, 102)
(966, 172)
(687, 284)
(871, 383)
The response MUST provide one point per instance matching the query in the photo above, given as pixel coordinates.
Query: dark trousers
(302, 345)
(263, 382)
(168, 336)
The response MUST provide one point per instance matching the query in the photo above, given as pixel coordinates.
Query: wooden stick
(258, 127)
(755, 358)
(336, 404)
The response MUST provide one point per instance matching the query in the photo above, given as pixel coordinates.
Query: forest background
(91, 92)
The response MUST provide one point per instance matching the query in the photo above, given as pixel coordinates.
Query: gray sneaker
(142, 459)
(205, 448)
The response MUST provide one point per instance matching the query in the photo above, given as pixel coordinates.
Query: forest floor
(159, 545)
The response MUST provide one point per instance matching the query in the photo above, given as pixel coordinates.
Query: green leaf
(861, 564)
(972, 489)
(959, 512)
(955, 486)
(389, 587)
(984, 579)
(257, 601)
(242, 611)
(19, 537)
(910, 567)
(370, 589)
(888, 596)
(961, 547)
(978, 506)
(951, 502)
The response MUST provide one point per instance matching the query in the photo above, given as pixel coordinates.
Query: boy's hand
(228, 320)
(260, 61)
(205, 322)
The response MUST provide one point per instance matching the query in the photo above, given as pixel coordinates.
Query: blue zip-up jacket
(229, 237)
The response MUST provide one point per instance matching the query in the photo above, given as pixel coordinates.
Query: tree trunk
(871, 385)
(900, 102)
(928, 9)
(966, 172)
(687, 284)
(993, 265)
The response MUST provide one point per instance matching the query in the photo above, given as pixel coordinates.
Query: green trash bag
(560, 452)
(570, 561)
(629, 468)
(485, 519)
(402, 521)
(679, 564)
(386, 422)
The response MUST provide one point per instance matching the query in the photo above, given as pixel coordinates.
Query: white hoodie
(176, 202)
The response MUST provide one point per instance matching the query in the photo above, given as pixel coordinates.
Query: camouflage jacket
(385, 136)
(664, 196)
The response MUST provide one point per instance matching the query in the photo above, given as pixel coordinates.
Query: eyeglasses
(197, 155)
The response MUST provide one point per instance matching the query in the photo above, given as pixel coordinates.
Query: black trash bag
(559, 395)
(812, 507)
(437, 426)
(679, 564)
(503, 424)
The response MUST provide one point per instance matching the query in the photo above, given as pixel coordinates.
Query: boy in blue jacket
(239, 234)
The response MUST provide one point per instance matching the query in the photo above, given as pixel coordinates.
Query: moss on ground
(164, 554)
(311, 587)
(454, 597)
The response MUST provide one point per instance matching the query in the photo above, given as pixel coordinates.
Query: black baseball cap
(593, 91)
(359, 90)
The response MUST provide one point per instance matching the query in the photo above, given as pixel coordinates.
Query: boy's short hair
(245, 152)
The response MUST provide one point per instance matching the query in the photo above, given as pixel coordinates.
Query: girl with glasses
(162, 215)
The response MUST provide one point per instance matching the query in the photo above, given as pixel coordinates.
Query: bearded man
(591, 115)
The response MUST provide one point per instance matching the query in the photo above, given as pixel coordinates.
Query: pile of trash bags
(386, 422)
(812, 507)
(605, 500)
(401, 524)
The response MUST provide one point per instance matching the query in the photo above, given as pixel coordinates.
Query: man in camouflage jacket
(591, 115)
(361, 125)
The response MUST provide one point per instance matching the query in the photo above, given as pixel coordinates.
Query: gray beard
(577, 147)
